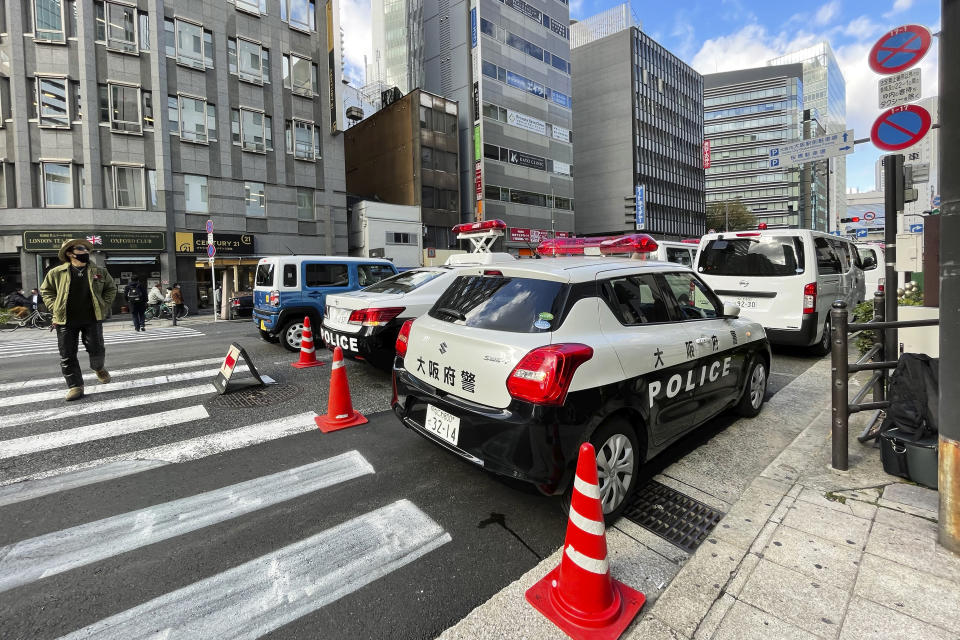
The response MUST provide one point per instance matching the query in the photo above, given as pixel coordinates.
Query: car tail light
(274, 298)
(235, 303)
(544, 375)
(810, 298)
(374, 317)
(403, 338)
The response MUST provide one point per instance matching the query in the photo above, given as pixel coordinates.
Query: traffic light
(854, 219)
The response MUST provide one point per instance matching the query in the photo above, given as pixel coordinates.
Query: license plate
(263, 325)
(442, 424)
(339, 316)
(746, 303)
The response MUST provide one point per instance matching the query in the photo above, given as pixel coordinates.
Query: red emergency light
(691, 240)
(607, 245)
(486, 225)
(762, 226)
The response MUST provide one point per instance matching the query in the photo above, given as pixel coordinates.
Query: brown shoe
(75, 393)
(103, 376)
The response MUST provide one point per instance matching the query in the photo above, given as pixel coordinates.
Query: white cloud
(898, 7)
(862, 28)
(357, 40)
(827, 13)
(684, 32)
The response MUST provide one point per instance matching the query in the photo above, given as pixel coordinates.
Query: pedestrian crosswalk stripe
(49, 337)
(43, 396)
(18, 349)
(120, 373)
(75, 408)
(53, 553)
(124, 426)
(85, 473)
(264, 594)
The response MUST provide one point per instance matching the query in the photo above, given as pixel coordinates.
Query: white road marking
(44, 396)
(120, 373)
(264, 594)
(125, 464)
(77, 408)
(50, 337)
(53, 553)
(47, 348)
(124, 426)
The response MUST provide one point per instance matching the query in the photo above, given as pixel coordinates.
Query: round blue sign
(209, 226)
(900, 127)
(899, 49)
(211, 250)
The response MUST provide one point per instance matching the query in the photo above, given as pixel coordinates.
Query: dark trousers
(67, 339)
(138, 311)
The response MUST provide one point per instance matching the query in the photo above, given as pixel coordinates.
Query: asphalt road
(70, 555)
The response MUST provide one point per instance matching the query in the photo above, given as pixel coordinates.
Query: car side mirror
(869, 263)
(731, 311)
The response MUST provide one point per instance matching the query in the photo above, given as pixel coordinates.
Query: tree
(729, 215)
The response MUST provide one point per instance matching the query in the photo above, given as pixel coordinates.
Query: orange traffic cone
(308, 355)
(340, 413)
(579, 596)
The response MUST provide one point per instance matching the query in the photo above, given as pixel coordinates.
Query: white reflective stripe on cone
(337, 364)
(586, 524)
(586, 488)
(305, 350)
(586, 562)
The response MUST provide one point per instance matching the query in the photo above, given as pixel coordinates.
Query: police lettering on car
(513, 368)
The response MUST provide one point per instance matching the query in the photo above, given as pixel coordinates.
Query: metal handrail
(872, 360)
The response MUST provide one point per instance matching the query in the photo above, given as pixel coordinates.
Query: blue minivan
(288, 288)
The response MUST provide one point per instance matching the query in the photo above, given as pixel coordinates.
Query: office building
(639, 123)
(508, 66)
(924, 158)
(407, 154)
(747, 113)
(868, 206)
(397, 30)
(825, 95)
(134, 126)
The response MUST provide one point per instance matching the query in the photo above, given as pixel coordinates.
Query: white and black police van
(518, 364)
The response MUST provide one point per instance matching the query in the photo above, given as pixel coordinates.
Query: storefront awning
(131, 259)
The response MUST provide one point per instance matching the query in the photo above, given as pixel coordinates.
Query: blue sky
(722, 35)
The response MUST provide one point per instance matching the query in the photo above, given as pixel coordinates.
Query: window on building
(125, 109)
(426, 157)
(153, 195)
(249, 60)
(428, 197)
(252, 130)
(52, 98)
(77, 102)
(300, 75)
(305, 204)
(447, 199)
(48, 20)
(396, 237)
(3, 185)
(147, 109)
(257, 7)
(189, 43)
(447, 161)
(128, 187)
(116, 24)
(299, 14)
(57, 181)
(303, 140)
(195, 193)
(194, 114)
(144, 31)
(256, 199)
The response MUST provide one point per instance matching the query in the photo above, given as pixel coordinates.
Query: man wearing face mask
(79, 294)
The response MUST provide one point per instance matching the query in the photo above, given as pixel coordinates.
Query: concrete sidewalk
(802, 552)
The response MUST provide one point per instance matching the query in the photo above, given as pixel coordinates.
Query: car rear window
(404, 282)
(754, 256)
(517, 305)
(368, 274)
(264, 275)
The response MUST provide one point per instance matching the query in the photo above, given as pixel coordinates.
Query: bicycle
(35, 320)
(164, 310)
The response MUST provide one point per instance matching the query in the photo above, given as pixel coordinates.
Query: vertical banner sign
(473, 27)
(641, 207)
(706, 154)
(475, 46)
(333, 64)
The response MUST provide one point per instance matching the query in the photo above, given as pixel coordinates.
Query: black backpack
(132, 293)
(914, 395)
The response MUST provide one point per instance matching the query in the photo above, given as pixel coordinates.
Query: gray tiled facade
(93, 64)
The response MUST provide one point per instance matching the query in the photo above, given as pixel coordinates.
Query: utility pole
(726, 217)
(949, 460)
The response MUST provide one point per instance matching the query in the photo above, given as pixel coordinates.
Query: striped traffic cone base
(308, 355)
(579, 596)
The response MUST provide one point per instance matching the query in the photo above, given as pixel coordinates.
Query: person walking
(136, 296)
(176, 296)
(79, 294)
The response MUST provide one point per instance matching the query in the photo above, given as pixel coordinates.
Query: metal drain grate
(265, 396)
(676, 518)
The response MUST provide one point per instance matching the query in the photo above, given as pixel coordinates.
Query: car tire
(619, 455)
(754, 389)
(291, 334)
(822, 347)
(266, 337)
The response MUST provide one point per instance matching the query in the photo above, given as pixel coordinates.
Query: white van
(684, 253)
(785, 279)
(873, 261)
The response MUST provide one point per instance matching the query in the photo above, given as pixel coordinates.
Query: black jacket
(138, 287)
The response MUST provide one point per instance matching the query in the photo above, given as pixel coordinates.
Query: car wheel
(822, 347)
(291, 335)
(266, 337)
(618, 463)
(754, 390)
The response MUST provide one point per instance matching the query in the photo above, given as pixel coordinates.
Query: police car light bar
(606, 245)
(482, 235)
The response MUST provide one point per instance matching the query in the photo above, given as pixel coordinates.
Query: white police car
(514, 367)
